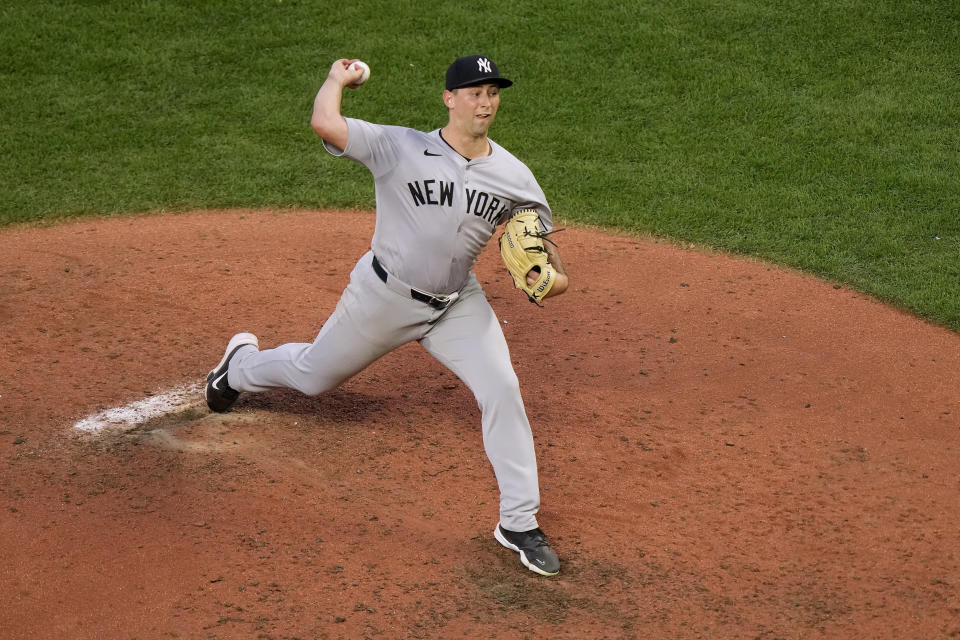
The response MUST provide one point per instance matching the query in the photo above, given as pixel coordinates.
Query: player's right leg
(369, 321)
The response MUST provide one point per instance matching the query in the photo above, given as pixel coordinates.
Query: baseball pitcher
(440, 197)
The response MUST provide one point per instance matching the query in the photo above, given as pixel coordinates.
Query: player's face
(473, 108)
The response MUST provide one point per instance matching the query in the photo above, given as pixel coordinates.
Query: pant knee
(501, 391)
(313, 385)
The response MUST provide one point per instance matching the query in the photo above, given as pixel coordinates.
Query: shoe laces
(538, 538)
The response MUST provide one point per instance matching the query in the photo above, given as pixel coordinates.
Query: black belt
(437, 302)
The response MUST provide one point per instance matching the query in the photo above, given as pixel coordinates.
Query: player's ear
(448, 98)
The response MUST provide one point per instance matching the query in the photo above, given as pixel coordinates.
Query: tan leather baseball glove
(522, 249)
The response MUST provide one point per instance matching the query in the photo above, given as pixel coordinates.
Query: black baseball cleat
(220, 396)
(535, 552)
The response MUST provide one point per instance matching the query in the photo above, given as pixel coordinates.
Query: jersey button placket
(463, 213)
(465, 172)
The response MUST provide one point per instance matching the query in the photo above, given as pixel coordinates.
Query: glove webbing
(543, 236)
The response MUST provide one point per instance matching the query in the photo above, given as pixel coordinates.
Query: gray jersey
(436, 210)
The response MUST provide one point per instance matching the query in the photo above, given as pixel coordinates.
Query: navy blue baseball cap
(469, 71)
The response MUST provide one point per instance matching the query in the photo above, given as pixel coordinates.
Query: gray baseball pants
(370, 320)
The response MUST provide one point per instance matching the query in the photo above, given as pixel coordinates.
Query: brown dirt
(727, 450)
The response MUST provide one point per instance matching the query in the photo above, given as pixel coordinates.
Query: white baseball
(366, 72)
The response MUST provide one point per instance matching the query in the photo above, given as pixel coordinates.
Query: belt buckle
(442, 302)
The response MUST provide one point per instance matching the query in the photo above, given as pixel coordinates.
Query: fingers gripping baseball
(364, 69)
(350, 73)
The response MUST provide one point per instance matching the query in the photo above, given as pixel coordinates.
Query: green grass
(819, 135)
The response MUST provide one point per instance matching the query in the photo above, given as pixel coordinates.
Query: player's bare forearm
(563, 281)
(327, 121)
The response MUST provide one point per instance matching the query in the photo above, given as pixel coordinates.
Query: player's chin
(482, 123)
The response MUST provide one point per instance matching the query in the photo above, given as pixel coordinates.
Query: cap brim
(503, 83)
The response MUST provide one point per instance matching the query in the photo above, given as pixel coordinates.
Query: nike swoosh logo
(216, 382)
(539, 561)
(427, 153)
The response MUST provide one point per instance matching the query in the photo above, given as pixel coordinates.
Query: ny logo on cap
(484, 65)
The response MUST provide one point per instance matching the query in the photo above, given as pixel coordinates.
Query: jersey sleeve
(531, 196)
(372, 145)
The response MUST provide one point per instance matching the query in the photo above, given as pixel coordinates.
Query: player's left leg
(469, 341)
